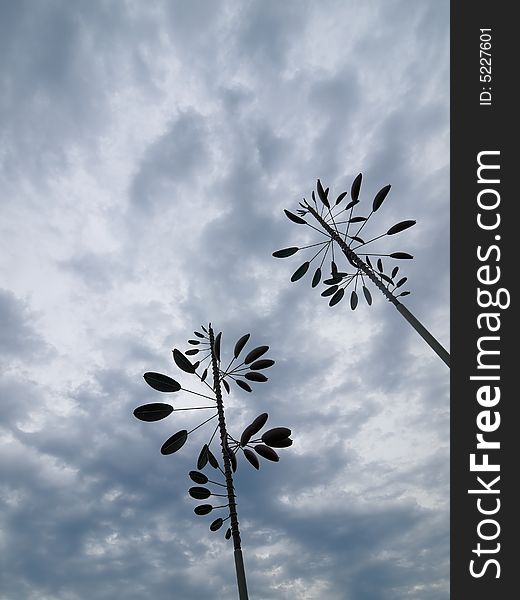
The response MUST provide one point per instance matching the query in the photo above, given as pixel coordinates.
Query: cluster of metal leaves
(248, 370)
(160, 410)
(278, 437)
(203, 493)
(339, 280)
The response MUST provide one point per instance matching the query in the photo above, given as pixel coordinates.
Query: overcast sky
(147, 152)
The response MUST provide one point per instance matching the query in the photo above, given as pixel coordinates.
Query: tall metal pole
(353, 258)
(235, 532)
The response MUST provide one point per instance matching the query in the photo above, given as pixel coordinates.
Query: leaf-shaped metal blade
(337, 297)
(175, 442)
(194, 342)
(401, 255)
(199, 493)
(253, 428)
(239, 346)
(242, 384)
(153, 412)
(198, 477)
(263, 363)
(398, 227)
(353, 300)
(340, 197)
(403, 294)
(285, 252)
(255, 353)
(202, 461)
(212, 460)
(228, 533)
(329, 291)
(401, 282)
(368, 295)
(252, 458)
(204, 375)
(356, 186)
(357, 219)
(182, 362)
(255, 376)
(203, 509)
(285, 443)
(395, 270)
(322, 194)
(380, 196)
(316, 278)
(380, 265)
(275, 435)
(217, 524)
(192, 351)
(226, 385)
(300, 271)
(294, 218)
(267, 452)
(161, 383)
(218, 339)
(198, 334)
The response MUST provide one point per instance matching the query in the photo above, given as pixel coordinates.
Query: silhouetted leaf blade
(192, 351)
(330, 291)
(368, 295)
(300, 271)
(217, 524)
(340, 197)
(395, 270)
(202, 460)
(357, 219)
(198, 477)
(401, 282)
(380, 196)
(275, 435)
(356, 186)
(228, 533)
(285, 443)
(182, 362)
(203, 509)
(337, 297)
(263, 363)
(175, 442)
(255, 376)
(316, 277)
(226, 386)
(267, 452)
(218, 339)
(161, 383)
(353, 300)
(239, 346)
(398, 227)
(242, 384)
(199, 493)
(294, 218)
(255, 353)
(153, 412)
(285, 252)
(322, 194)
(252, 458)
(401, 255)
(212, 459)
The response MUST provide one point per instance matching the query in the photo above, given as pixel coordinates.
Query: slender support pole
(235, 532)
(353, 258)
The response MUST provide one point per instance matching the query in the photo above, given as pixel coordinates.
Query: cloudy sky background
(147, 152)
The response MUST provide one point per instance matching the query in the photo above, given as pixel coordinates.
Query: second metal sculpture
(207, 346)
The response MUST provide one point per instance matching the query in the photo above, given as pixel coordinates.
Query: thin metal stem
(235, 532)
(412, 320)
(197, 393)
(203, 423)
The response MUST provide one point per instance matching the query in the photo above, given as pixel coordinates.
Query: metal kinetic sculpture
(207, 344)
(340, 226)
